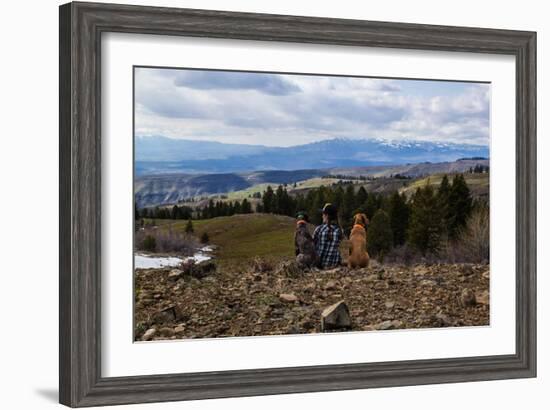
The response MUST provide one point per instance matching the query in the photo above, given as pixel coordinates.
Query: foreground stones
(468, 297)
(388, 325)
(272, 298)
(149, 334)
(199, 270)
(336, 317)
(288, 297)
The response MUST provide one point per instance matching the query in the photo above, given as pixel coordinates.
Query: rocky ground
(268, 299)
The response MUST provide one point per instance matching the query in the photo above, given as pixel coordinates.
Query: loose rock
(331, 285)
(175, 274)
(166, 332)
(468, 297)
(288, 297)
(483, 298)
(335, 317)
(166, 315)
(389, 324)
(149, 334)
(199, 270)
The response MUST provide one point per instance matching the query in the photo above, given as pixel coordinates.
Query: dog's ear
(364, 219)
(356, 219)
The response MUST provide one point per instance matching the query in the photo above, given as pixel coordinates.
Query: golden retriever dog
(358, 256)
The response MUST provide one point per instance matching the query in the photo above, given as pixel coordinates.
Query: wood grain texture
(81, 26)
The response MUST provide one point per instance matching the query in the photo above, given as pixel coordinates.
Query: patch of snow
(148, 262)
(198, 258)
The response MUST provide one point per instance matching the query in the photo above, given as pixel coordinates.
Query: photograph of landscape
(273, 204)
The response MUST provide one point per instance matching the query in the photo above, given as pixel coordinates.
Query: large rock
(167, 315)
(175, 274)
(149, 334)
(336, 317)
(468, 297)
(199, 270)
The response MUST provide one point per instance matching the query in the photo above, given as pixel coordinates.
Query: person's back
(327, 239)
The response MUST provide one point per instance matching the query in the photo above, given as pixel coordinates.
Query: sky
(288, 109)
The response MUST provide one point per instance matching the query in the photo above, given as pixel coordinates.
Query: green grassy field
(243, 237)
(248, 192)
(305, 184)
(478, 183)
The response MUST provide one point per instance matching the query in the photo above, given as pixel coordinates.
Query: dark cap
(302, 216)
(330, 210)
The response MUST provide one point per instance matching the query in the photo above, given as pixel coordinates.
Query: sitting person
(303, 243)
(327, 239)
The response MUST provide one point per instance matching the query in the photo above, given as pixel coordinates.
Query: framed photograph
(259, 204)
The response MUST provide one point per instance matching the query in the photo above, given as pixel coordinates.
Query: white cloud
(288, 110)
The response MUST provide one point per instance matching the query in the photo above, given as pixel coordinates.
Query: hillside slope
(242, 237)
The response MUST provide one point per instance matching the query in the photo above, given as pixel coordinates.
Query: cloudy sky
(286, 110)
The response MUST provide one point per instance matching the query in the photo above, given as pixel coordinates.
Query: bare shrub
(408, 255)
(149, 243)
(289, 269)
(261, 265)
(403, 254)
(166, 241)
(472, 244)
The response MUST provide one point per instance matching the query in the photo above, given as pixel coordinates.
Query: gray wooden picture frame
(81, 27)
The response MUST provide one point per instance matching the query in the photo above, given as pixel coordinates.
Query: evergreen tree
(372, 205)
(237, 207)
(443, 198)
(347, 208)
(211, 210)
(268, 200)
(425, 226)
(460, 205)
(175, 214)
(246, 207)
(136, 211)
(318, 203)
(380, 235)
(205, 238)
(361, 197)
(399, 218)
(189, 227)
(338, 197)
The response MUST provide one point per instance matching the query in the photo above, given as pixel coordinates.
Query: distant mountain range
(161, 155)
(159, 189)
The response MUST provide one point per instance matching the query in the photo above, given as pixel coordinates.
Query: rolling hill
(243, 237)
(162, 189)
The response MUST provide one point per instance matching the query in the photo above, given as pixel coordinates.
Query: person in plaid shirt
(327, 239)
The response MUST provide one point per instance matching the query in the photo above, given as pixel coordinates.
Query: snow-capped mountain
(156, 155)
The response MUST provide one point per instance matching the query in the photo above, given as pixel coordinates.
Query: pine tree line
(224, 208)
(479, 169)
